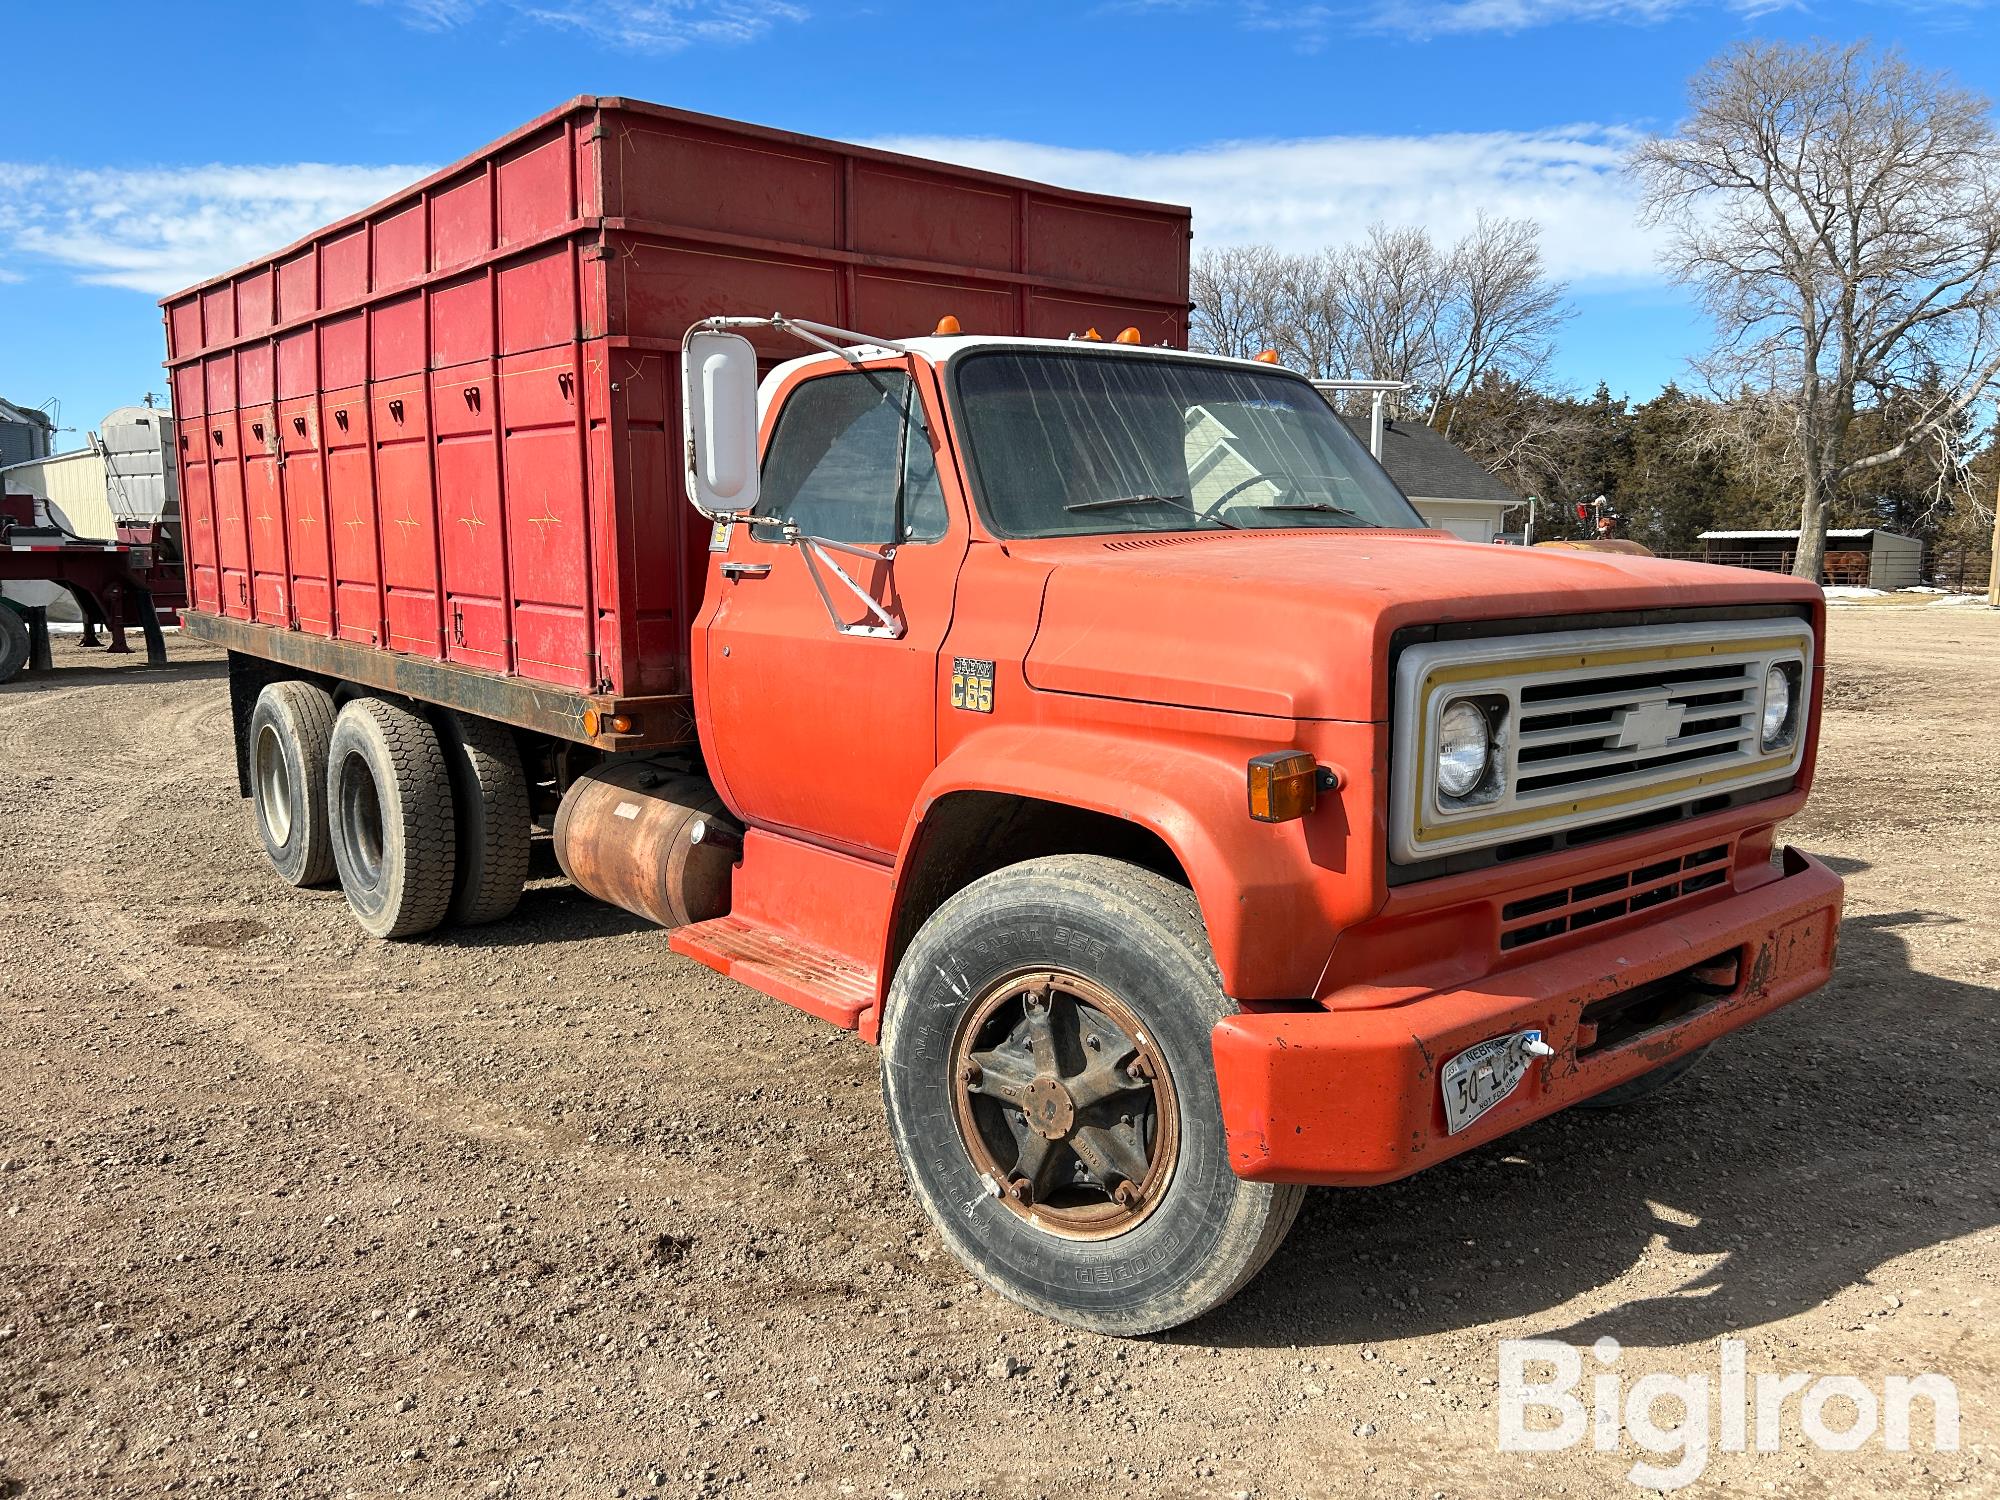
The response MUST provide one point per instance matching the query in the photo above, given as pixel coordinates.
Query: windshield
(1073, 444)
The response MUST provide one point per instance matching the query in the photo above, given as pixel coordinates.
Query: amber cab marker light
(1091, 335)
(1284, 784)
(1267, 356)
(947, 326)
(1129, 336)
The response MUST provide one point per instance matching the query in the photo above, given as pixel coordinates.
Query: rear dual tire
(290, 729)
(389, 806)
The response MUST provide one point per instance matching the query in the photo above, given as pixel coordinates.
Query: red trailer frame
(439, 439)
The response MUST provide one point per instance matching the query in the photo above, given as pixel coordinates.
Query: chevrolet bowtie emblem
(1648, 725)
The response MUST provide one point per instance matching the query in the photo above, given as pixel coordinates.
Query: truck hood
(1297, 625)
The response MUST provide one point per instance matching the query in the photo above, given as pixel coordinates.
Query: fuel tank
(651, 838)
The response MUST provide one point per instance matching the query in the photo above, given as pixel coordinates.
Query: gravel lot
(546, 1210)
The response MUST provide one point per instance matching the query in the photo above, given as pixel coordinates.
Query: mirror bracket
(886, 626)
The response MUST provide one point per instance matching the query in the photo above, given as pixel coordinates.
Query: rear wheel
(15, 643)
(490, 798)
(1051, 1089)
(389, 800)
(290, 729)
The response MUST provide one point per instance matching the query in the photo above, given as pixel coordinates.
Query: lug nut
(1021, 1191)
(1127, 1194)
(970, 1075)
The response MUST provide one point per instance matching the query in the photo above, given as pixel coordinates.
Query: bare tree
(1393, 289)
(1839, 211)
(1502, 313)
(1236, 293)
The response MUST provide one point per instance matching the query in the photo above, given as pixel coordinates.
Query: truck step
(817, 980)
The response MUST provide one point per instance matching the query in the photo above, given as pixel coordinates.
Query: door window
(844, 445)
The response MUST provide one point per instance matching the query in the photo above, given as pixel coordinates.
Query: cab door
(807, 727)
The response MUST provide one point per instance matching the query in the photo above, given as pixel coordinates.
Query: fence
(1962, 568)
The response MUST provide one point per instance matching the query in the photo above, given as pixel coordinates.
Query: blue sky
(147, 148)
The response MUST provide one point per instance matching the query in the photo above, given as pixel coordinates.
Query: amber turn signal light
(595, 723)
(1284, 784)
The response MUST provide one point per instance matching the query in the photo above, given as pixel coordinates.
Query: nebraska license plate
(1480, 1077)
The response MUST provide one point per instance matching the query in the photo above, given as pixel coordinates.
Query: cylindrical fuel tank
(626, 833)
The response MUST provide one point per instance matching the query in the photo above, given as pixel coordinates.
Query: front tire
(389, 799)
(1050, 1086)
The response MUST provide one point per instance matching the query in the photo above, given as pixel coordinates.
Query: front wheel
(1050, 1086)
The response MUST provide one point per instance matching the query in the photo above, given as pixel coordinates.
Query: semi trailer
(843, 560)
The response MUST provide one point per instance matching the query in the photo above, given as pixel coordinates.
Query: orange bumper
(1352, 1097)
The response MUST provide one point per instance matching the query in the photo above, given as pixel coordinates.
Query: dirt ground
(545, 1209)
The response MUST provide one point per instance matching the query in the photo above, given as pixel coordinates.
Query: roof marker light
(1266, 356)
(1129, 336)
(947, 326)
(1091, 335)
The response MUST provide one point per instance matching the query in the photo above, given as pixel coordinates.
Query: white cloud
(640, 25)
(160, 230)
(1426, 18)
(157, 231)
(1305, 194)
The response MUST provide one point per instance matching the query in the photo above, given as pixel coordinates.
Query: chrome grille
(1592, 732)
(1592, 726)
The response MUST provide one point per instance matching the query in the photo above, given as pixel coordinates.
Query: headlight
(1777, 707)
(1465, 746)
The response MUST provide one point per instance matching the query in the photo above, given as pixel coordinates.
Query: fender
(1256, 883)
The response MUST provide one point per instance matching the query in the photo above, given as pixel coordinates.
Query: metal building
(24, 433)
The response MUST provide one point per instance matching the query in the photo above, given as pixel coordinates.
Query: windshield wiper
(1323, 505)
(1179, 502)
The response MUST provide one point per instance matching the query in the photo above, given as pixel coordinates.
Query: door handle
(745, 570)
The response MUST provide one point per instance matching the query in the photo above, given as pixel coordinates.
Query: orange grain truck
(1091, 723)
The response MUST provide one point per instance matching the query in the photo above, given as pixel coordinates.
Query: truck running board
(783, 965)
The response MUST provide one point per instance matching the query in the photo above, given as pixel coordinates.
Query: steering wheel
(1208, 512)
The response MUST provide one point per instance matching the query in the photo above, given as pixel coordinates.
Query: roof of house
(11, 412)
(1427, 465)
(1845, 534)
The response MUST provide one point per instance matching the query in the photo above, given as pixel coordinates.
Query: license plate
(1480, 1077)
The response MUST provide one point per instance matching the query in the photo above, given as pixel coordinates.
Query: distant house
(1862, 556)
(1447, 485)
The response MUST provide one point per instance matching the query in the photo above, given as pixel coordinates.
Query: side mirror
(719, 417)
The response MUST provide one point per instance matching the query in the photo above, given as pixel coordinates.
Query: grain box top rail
(663, 170)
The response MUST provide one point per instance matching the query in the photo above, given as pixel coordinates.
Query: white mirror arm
(887, 626)
(820, 335)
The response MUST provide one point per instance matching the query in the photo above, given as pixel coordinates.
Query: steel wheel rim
(274, 786)
(361, 819)
(1076, 1136)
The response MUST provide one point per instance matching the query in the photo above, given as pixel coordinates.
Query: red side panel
(232, 543)
(548, 536)
(264, 510)
(350, 509)
(399, 418)
(197, 503)
(302, 477)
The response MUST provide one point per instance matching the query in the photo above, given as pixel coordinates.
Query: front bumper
(1351, 1097)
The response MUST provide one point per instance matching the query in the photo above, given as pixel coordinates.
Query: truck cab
(1106, 735)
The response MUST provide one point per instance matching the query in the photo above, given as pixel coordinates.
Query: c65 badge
(972, 684)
